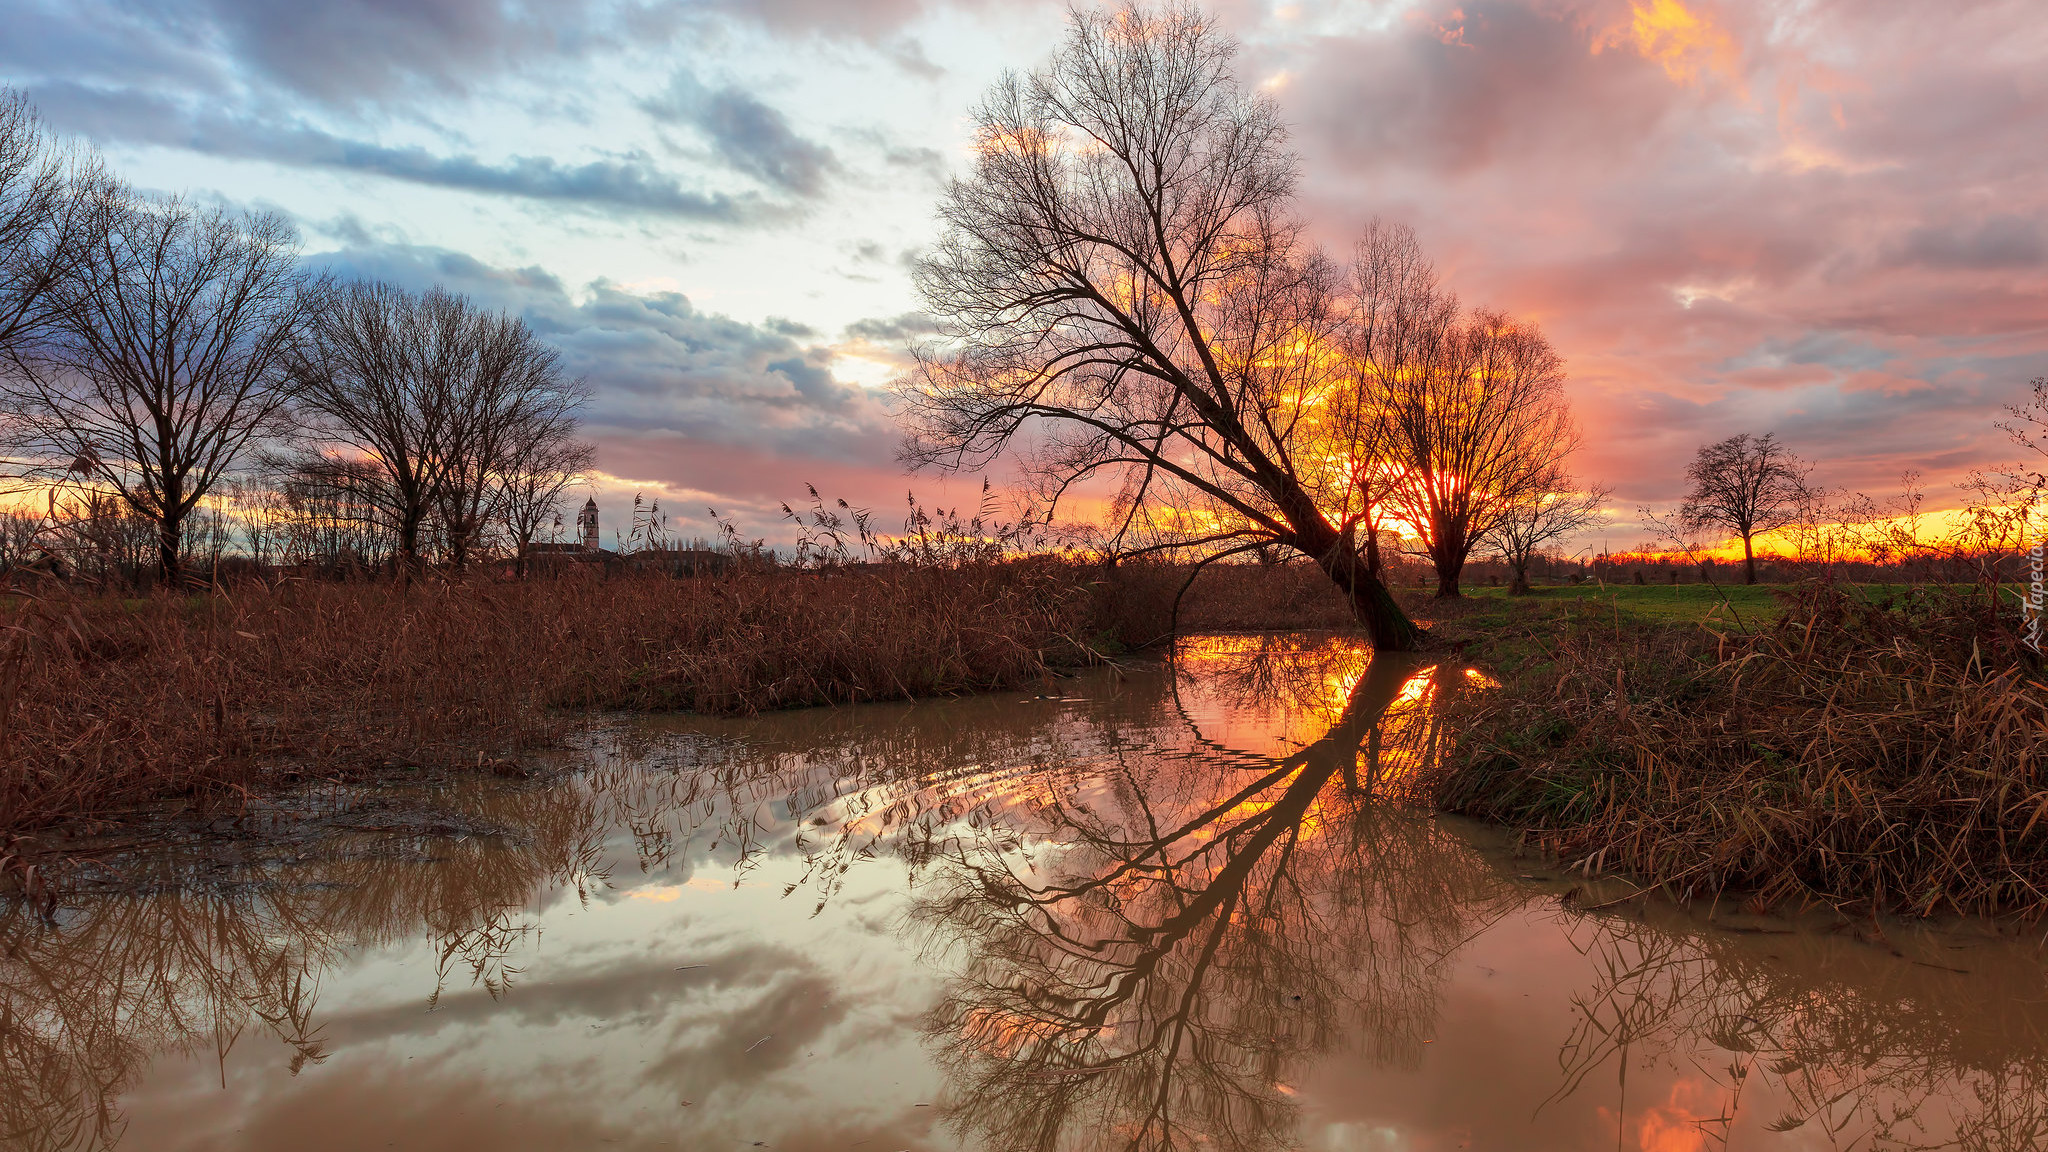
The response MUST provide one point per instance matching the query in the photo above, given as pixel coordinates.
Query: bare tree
(164, 359)
(328, 521)
(367, 382)
(53, 202)
(1476, 421)
(258, 510)
(95, 534)
(19, 533)
(1746, 486)
(425, 401)
(1397, 318)
(515, 413)
(370, 381)
(1543, 515)
(1122, 277)
(531, 488)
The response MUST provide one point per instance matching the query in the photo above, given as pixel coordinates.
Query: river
(1178, 905)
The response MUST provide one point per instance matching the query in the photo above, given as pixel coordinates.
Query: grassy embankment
(1878, 747)
(1506, 632)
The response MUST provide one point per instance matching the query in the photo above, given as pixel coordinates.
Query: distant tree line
(172, 379)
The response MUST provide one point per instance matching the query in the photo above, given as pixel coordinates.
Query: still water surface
(1175, 908)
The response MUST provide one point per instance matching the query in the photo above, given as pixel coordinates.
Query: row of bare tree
(156, 349)
(1125, 296)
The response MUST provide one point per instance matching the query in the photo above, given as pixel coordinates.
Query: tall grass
(1875, 752)
(106, 702)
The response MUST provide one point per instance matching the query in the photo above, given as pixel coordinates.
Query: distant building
(586, 547)
(676, 561)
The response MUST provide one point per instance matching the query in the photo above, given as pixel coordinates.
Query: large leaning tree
(1123, 294)
(1746, 486)
(162, 361)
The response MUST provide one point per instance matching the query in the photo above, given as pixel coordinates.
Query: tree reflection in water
(1159, 908)
(181, 960)
(1850, 1045)
(1147, 962)
(1153, 957)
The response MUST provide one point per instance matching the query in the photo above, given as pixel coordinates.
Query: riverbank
(825, 927)
(108, 703)
(1863, 749)
(1858, 747)
(216, 697)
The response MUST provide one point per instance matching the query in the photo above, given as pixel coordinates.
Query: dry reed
(105, 702)
(1882, 754)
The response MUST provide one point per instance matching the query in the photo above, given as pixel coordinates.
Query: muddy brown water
(1179, 907)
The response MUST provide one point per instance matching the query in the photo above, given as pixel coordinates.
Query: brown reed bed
(105, 702)
(1134, 601)
(108, 702)
(1883, 753)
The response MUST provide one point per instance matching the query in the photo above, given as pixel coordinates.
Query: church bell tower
(586, 524)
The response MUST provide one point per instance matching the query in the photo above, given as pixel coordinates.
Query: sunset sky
(1824, 219)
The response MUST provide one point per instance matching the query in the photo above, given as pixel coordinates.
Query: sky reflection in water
(1182, 908)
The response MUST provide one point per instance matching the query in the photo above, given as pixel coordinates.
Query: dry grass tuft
(1884, 754)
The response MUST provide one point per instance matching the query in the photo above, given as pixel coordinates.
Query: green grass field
(1505, 633)
(1665, 603)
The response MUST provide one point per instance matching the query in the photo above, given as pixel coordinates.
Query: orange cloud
(1688, 45)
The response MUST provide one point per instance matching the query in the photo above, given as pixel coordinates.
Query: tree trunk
(1447, 570)
(169, 542)
(1449, 560)
(1748, 562)
(458, 544)
(1372, 604)
(408, 559)
(1518, 584)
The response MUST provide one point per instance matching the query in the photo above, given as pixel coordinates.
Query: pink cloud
(1826, 221)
